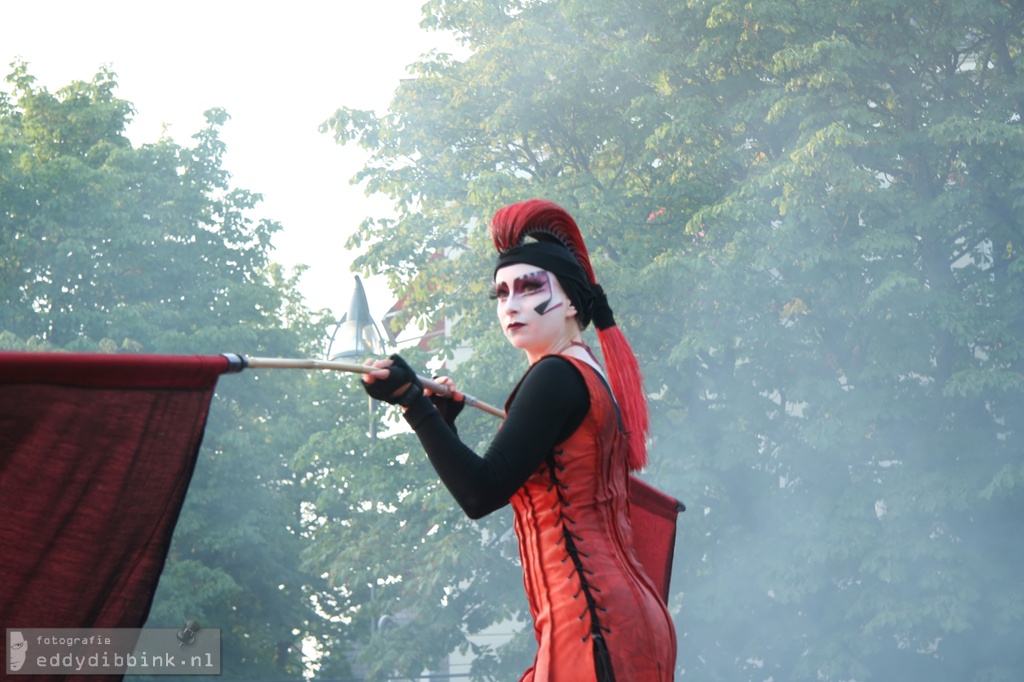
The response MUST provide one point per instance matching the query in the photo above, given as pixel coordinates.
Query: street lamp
(356, 334)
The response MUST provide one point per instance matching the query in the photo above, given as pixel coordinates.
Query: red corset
(597, 616)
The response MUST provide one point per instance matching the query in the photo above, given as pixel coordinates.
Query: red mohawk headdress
(559, 248)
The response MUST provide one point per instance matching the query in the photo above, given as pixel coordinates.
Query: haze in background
(279, 70)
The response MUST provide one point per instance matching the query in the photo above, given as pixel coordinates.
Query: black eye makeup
(498, 292)
(531, 283)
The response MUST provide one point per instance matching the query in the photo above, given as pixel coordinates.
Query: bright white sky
(279, 69)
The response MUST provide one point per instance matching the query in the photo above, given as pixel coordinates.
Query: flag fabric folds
(653, 515)
(96, 454)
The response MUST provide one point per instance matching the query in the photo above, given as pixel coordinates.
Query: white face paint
(535, 312)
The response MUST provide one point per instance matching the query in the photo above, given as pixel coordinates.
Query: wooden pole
(295, 363)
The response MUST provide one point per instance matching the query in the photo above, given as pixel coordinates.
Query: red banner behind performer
(653, 516)
(96, 453)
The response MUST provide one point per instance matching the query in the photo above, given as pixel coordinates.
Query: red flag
(653, 516)
(96, 453)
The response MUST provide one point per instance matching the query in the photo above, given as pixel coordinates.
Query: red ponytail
(546, 221)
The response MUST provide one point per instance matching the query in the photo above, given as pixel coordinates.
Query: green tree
(109, 247)
(808, 219)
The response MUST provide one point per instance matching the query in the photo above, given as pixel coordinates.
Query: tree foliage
(107, 247)
(809, 221)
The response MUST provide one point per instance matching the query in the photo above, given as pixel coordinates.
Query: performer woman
(562, 456)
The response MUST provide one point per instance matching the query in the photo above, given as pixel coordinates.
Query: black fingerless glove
(400, 374)
(449, 409)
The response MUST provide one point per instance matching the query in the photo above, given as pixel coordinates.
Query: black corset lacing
(602, 658)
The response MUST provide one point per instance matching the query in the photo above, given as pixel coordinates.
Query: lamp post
(356, 336)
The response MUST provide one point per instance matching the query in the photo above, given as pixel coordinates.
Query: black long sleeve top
(550, 404)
